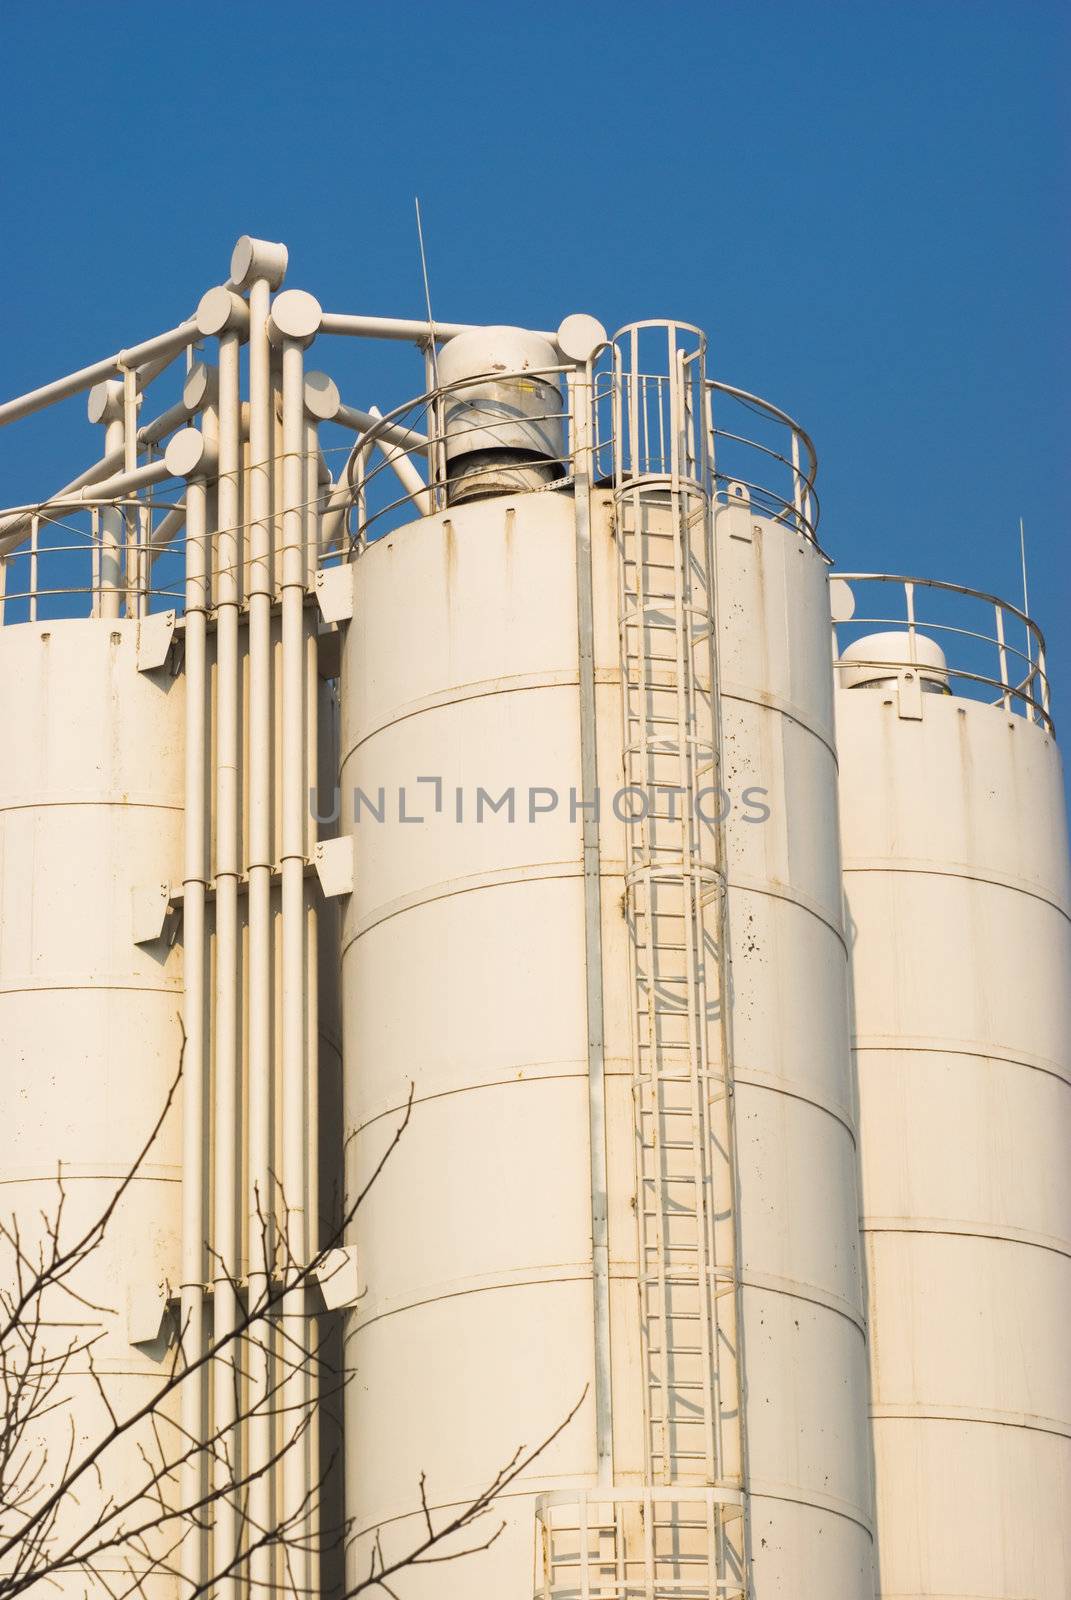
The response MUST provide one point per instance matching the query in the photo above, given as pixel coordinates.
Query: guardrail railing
(993, 650)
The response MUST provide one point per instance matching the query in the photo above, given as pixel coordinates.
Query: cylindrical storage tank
(91, 795)
(502, 412)
(957, 886)
(463, 974)
(804, 1329)
(463, 977)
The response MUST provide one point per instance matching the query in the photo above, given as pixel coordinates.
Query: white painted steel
(475, 1331)
(503, 413)
(91, 798)
(957, 882)
(879, 658)
(804, 1335)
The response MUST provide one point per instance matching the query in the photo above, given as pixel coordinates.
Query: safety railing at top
(992, 650)
(72, 564)
(124, 554)
(775, 464)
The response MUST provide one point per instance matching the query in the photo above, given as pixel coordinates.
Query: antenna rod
(427, 292)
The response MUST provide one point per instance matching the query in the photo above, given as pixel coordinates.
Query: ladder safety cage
(676, 908)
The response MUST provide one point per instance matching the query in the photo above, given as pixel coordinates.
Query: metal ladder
(675, 900)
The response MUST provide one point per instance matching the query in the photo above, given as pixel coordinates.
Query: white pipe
(106, 405)
(311, 496)
(13, 529)
(167, 528)
(132, 515)
(261, 1153)
(195, 963)
(163, 344)
(394, 433)
(227, 1264)
(295, 1389)
(406, 473)
(416, 332)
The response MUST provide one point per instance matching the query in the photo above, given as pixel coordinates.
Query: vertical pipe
(106, 405)
(294, 320)
(131, 513)
(580, 397)
(293, 915)
(35, 535)
(311, 497)
(260, 1198)
(226, 1261)
(194, 1141)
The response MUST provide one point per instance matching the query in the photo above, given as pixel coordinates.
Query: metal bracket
(337, 1277)
(735, 517)
(155, 634)
(909, 695)
(147, 1311)
(334, 866)
(334, 593)
(149, 906)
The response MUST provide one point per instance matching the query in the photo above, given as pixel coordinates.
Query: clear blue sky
(866, 205)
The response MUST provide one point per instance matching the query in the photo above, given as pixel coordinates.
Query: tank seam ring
(937, 1227)
(127, 801)
(792, 897)
(537, 872)
(82, 1172)
(605, 677)
(760, 1490)
(776, 1083)
(983, 1049)
(1028, 1421)
(83, 983)
(532, 1072)
(786, 708)
(477, 689)
(880, 864)
(621, 1271)
(556, 1071)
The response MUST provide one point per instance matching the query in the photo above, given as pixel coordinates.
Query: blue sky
(866, 206)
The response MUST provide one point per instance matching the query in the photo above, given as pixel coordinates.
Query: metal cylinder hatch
(503, 417)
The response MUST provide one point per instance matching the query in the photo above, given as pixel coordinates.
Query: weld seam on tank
(620, 1271)
(462, 694)
(809, 1294)
(525, 1278)
(1025, 1421)
(786, 1493)
(792, 897)
(865, 864)
(982, 1048)
(517, 1079)
(75, 981)
(784, 708)
(756, 1078)
(537, 873)
(450, 889)
(123, 802)
(965, 1228)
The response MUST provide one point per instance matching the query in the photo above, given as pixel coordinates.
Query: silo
(503, 1281)
(804, 1327)
(91, 797)
(957, 884)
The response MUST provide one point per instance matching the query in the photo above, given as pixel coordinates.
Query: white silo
(91, 818)
(569, 608)
(569, 1041)
(957, 884)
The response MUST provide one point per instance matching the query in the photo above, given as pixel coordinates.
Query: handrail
(1028, 694)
